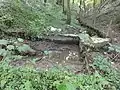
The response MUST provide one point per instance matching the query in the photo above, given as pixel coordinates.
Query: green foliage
(33, 17)
(114, 78)
(20, 40)
(23, 79)
(93, 82)
(104, 65)
(26, 79)
(114, 48)
(66, 86)
(86, 82)
(3, 52)
(102, 62)
(30, 79)
(6, 20)
(10, 48)
(3, 42)
(24, 48)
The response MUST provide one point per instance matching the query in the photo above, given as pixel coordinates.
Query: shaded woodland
(59, 44)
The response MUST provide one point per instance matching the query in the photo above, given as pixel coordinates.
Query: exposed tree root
(91, 29)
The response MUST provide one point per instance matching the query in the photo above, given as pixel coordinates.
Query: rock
(100, 42)
(26, 50)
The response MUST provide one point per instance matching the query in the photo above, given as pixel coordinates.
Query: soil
(53, 55)
(115, 36)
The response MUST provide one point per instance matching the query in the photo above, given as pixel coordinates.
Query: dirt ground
(115, 35)
(54, 55)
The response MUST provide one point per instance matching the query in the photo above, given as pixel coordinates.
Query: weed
(112, 75)
(26, 79)
(34, 18)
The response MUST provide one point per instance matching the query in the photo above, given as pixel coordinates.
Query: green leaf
(66, 86)
(24, 48)
(115, 48)
(28, 85)
(10, 47)
(3, 42)
(3, 52)
(20, 40)
(61, 87)
(3, 82)
(70, 86)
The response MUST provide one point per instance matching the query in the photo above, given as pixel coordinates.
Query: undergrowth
(26, 79)
(105, 68)
(33, 17)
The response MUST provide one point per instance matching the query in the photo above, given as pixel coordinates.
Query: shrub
(28, 79)
(33, 17)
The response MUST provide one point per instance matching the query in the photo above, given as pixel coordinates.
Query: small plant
(24, 79)
(6, 20)
(102, 63)
(33, 17)
(27, 79)
(12, 48)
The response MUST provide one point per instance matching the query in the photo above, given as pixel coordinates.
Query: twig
(115, 56)
(87, 64)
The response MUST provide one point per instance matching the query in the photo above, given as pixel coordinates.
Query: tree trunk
(80, 7)
(59, 2)
(94, 2)
(73, 1)
(64, 7)
(94, 12)
(68, 21)
(45, 1)
(84, 6)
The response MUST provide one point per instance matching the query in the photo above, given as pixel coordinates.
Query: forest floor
(51, 55)
(55, 55)
(115, 35)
